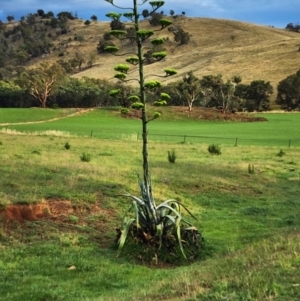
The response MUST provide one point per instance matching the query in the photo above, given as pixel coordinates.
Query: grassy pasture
(106, 124)
(12, 115)
(251, 222)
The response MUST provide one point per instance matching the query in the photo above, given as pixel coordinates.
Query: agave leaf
(176, 212)
(170, 224)
(125, 233)
(162, 211)
(126, 217)
(171, 218)
(140, 201)
(143, 213)
(170, 208)
(148, 199)
(143, 219)
(159, 232)
(179, 237)
(179, 203)
(191, 228)
(187, 210)
(170, 229)
(136, 213)
(169, 201)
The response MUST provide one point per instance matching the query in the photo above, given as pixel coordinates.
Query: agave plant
(159, 225)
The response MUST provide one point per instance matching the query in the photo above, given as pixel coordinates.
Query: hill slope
(217, 47)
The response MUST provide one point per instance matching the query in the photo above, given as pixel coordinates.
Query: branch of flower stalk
(111, 2)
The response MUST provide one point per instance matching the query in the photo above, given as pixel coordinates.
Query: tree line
(50, 86)
(293, 27)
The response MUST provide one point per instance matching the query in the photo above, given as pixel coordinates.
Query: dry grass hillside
(217, 47)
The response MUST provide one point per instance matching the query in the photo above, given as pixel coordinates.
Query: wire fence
(168, 138)
(235, 141)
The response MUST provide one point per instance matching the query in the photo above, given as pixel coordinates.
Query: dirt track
(80, 111)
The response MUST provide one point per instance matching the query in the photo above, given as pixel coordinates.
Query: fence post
(290, 141)
(236, 139)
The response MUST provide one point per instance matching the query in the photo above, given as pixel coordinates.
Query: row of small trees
(50, 86)
(293, 27)
(214, 91)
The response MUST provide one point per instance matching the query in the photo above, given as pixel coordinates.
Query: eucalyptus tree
(190, 88)
(159, 226)
(43, 81)
(220, 94)
(288, 92)
(260, 92)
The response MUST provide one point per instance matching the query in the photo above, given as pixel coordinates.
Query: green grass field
(251, 222)
(11, 115)
(280, 130)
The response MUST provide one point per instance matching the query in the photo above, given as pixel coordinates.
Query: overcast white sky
(276, 13)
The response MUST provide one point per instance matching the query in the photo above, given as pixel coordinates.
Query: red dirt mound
(51, 209)
(23, 213)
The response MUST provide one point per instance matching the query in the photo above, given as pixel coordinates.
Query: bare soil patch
(55, 210)
(51, 217)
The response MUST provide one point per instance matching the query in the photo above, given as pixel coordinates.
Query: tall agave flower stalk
(163, 224)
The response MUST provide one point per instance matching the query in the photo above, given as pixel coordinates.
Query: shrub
(155, 19)
(103, 44)
(251, 168)
(85, 157)
(172, 156)
(36, 152)
(181, 36)
(280, 153)
(107, 36)
(73, 219)
(117, 25)
(67, 145)
(214, 149)
(124, 111)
